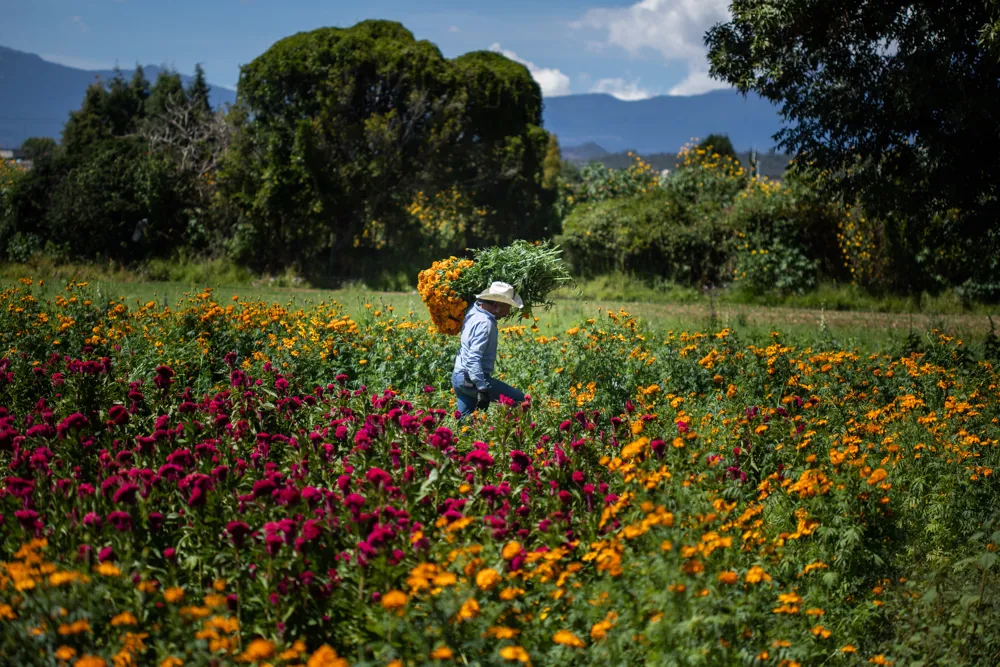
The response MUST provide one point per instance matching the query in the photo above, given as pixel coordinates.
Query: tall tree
(90, 124)
(720, 144)
(896, 103)
(341, 127)
(38, 148)
(122, 106)
(168, 90)
(198, 91)
(139, 86)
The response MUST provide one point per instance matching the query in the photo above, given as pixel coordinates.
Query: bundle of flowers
(450, 285)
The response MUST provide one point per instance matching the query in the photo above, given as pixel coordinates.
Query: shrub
(705, 179)
(101, 204)
(785, 236)
(648, 234)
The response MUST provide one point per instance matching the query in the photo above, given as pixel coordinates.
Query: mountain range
(38, 96)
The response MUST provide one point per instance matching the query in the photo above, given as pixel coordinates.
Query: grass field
(867, 330)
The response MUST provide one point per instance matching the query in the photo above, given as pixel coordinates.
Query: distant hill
(37, 95)
(663, 123)
(585, 153)
(772, 165)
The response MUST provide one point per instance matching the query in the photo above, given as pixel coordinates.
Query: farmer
(472, 381)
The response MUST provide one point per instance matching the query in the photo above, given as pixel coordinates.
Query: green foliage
(121, 203)
(894, 105)
(38, 148)
(534, 270)
(778, 267)
(341, 127)
(706, 179)
(168, 90)
(198, 92)
(648, 234)
(719, 144)
(599, 183)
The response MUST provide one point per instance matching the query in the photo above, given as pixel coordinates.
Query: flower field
(250, 483)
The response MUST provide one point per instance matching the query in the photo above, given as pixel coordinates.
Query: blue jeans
(467, 394)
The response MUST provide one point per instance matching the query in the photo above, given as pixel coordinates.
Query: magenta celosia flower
(479, 458)
(122, 521)
(263, 487)
(682, 427)
(378, 477)
(20, 488)
(125, 495)
(92, 520)
(106, 554)
(164, 377)
(156, 521)
(73, 422)
(658, 446)
(40, 431)
(27, 518)
(272, 543)
(238, 531)
(170, 553)
(118, 415)
(354, 502)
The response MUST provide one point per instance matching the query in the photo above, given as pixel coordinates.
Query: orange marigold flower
(171, 661)
(878, 476)
(107, 569)
(394, 600)
(729, 578)
(515, 653)
(469, 610)
(175, 594)
(880, 660)
(325, 656)
(848, 649)
(90, 661)
(65, 652)
(511, 549)
(487, 578)
(509, 594)
(124, 618)
(257, 650)
(567, 638)
(442, 653)
(756, 574)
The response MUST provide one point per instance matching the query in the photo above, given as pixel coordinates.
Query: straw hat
(501, 293)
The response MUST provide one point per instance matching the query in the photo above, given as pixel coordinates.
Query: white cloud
(673, 28)
(552, 81)
(453, 28)
(696, 83)
(80, 23)
(622, 89)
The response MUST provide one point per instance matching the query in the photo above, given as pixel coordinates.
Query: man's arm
(479, 338)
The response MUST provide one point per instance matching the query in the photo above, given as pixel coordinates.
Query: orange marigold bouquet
(450, 285)
(447, 308)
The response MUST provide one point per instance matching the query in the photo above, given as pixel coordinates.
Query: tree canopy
(339, 128)
(719, 144)
(894, 103)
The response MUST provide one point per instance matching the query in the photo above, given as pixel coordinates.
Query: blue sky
(629, 49)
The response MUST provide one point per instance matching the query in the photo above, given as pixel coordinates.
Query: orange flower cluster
(447, 308)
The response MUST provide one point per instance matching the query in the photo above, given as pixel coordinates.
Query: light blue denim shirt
(478, 354)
